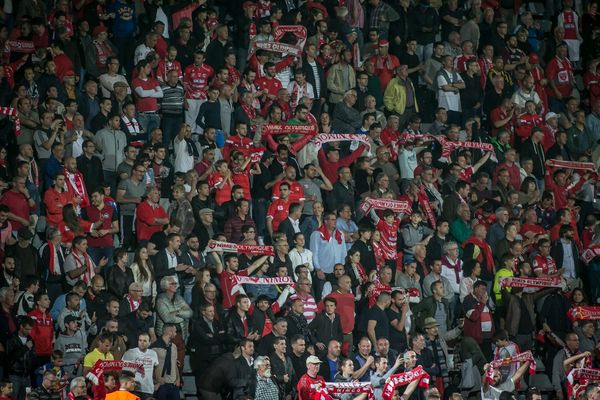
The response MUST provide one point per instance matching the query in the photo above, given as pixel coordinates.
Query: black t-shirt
(259, 183)
(382, 329)
(398, 340)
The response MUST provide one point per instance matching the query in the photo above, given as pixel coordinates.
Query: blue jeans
(167, 391)
(96, 254)
(148, 122)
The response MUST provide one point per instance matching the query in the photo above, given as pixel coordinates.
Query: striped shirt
(172, 101)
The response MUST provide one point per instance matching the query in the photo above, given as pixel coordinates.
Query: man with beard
(492, 391)
(7, 277)
(149, 359)
(134, 324)
(265, 385)
(101, 241)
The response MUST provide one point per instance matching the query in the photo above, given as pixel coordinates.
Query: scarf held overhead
(398, 206)
(416, 374)
(517, 358)
(215, 245)
(584, 313)
(338, 137)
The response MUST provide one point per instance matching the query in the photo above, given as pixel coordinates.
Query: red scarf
(76, 186)
(133, 304)
(403, 379)
(486, 251)
(387, 60)
(87, 262)
(362, 275)
(249, 111)
(424, 200)
(325, 235)
(54, 263)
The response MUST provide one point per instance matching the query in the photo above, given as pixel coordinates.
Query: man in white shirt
(142, 51)
(149, 359)
(450, 83)
(184, 154)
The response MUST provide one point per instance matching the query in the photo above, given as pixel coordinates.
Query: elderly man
(310, 383)
(264, 387)
(346, 118)
(400, 96)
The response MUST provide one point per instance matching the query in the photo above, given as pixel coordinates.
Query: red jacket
(330, 169)
(42, 332)
(145, 216)
(473, 312)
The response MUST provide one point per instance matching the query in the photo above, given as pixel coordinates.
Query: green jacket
(426, 309)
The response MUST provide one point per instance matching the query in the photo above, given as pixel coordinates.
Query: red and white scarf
(249, 111)
(583, 166)
(215, 245)
(513, 281)
(87, 262)
(338, 137)
(336, 388)
(424, 200)
(133, 304)
(384, 62)
(132, 125)
(584, 313)
(95, 374)
(583, 376)
(54, 262)
(416, 374)
(399, 206)
(449, 146)
(517, 358)
(77, 187)
(12, 112)
(287, 129)
(325, 235)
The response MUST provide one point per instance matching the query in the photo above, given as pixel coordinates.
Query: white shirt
(183, 161)
(141, 52)
(568, 261)
(449, 100)
(150, 360)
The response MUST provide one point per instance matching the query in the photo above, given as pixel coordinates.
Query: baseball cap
(313, 360)
(551, 115)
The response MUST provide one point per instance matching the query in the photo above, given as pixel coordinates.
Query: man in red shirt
(526, 121)
(310, 384)
(385, 63)
(148, 91)
(150, 216)
(502, 117)
(279, 208)
(559, 73)
(229, 288)
(56, 198)
(296, 191)
(270, 83)
(238, 142)
(509, 164)
(330, 163)
(167, 64)
(543, 264)
(556, 182)
(101, 241)
(195, 82)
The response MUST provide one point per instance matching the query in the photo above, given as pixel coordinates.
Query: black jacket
(118, 281)
(205, 344)
(234, 328)
(91, 169)
(339, 196)
(20, 358)
(310, 78)
(324, 329)
(286, 227)
(536, 153)
(243, 374)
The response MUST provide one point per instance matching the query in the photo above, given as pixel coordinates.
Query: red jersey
(145, 214)
(561, 72)
(278, 211)
(222, 187)
(549, 137)
(54, 202)
(227, 287)
(236, 143)
(145, 104)
(271, 84)
(526, 122)
(384, 68)
(309, 387)
(242, 178)
(63, 65)
(165, 66)
(107, 215)
(389, 238)
(544, 264)
(195, 81)
(296, 191)
(570, 24)
(460, 62)
(388, 136)
(591, 81)
(498, 114)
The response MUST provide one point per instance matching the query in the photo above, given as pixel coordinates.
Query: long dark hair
(71, 219)
(145, 273)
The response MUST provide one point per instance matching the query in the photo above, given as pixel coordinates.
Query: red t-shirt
(107, 215)
(296, 191)
(145, 104)
(278, 211)
(561, 72)
(307, 386)
(195, 81)
(226, 281)
(146, 213)
(389, 238)
(545, 265)
(222, 193)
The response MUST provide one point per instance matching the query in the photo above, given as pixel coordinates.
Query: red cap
(534, 58)
(99, 29)
(248, 4)
(69, 73)
(383, 43)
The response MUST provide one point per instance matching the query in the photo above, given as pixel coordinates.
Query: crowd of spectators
(299, 199)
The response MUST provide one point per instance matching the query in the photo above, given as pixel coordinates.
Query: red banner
(335, 388)
(214, 245)
(584, 313)
(384, 204)
(590, 253)
(288, 129)
(21, 46)
(513, 281)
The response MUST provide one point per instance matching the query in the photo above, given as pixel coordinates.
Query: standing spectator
(449, 84)
(166, 372)
(148, 90)
(21, 355)
(328, 247)
(110, 143)
(479, 323)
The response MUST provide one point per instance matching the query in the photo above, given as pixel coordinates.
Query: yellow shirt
(90, 358)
